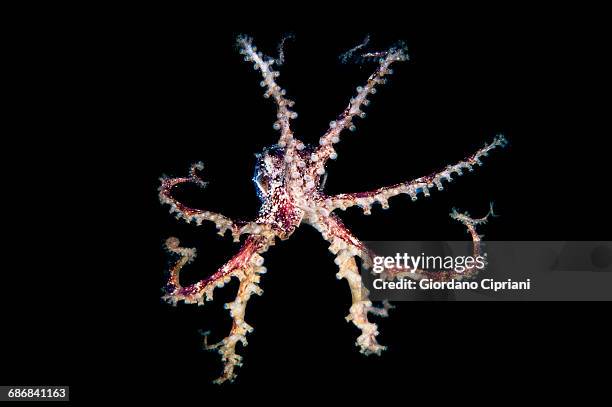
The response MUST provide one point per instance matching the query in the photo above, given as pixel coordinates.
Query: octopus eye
(263, 184)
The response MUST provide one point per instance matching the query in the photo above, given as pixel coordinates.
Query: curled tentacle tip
(281, 51)
(491, 212)
(172, 243)
(168, 292)
(201, 183)
(243, 39)
(501, 140)
(348, 56)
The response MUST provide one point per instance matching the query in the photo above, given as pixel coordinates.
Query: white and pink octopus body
(290, 177)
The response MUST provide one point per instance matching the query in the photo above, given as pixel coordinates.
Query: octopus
(289, 178)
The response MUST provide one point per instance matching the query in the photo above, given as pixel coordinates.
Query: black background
(169, 92)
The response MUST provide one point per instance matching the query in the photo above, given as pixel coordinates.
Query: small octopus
(290, 177)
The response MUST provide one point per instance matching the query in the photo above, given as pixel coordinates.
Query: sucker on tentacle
(290, 178)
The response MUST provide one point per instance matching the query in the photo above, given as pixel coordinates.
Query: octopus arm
(182, 211)
(246, 266)
(345, 121)
(414, 188)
